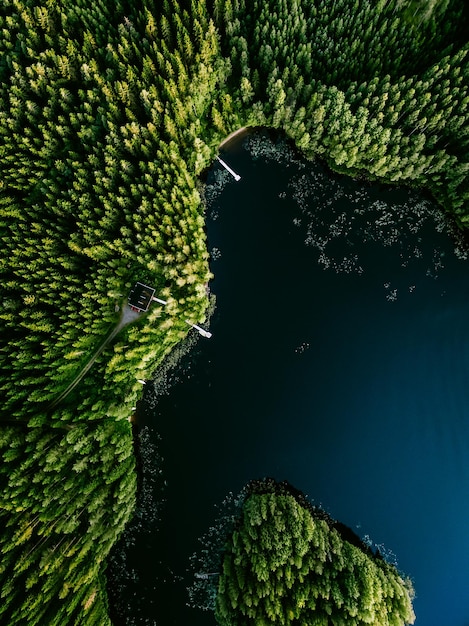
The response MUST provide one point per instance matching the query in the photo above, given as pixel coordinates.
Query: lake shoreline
(237, 134)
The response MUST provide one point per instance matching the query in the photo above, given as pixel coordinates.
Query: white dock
(202, 331)
(228, 168)
(159, 300)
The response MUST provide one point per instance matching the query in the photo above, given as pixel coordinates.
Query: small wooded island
(110, 114)
(284, 561)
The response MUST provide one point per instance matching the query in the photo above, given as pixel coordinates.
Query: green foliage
(97, 190)
(65, 499)
(109, 112)
(378, 91)
(285, 564)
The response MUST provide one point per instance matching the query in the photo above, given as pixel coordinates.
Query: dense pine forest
(110, 113)
(287, 562)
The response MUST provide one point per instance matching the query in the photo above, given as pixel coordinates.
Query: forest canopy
(110, 112)
(283, 561)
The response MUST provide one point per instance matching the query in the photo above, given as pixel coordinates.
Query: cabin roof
(140, 296)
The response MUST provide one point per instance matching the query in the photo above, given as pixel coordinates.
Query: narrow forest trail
(127, 317)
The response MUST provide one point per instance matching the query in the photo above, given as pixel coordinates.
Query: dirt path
(127, 317)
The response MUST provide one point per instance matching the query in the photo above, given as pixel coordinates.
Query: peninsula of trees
(110, 111)
(283, 561)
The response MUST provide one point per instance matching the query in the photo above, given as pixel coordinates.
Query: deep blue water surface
(340, 362)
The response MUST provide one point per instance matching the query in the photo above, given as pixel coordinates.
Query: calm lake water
(339, 362)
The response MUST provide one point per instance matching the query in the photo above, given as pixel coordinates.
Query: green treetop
(284, 565)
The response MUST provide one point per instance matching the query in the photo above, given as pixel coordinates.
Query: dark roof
(140, 296)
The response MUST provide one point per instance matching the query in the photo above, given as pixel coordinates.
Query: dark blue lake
(339, 362)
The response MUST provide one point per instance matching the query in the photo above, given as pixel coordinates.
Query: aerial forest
(285, 561)
(110, 115)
